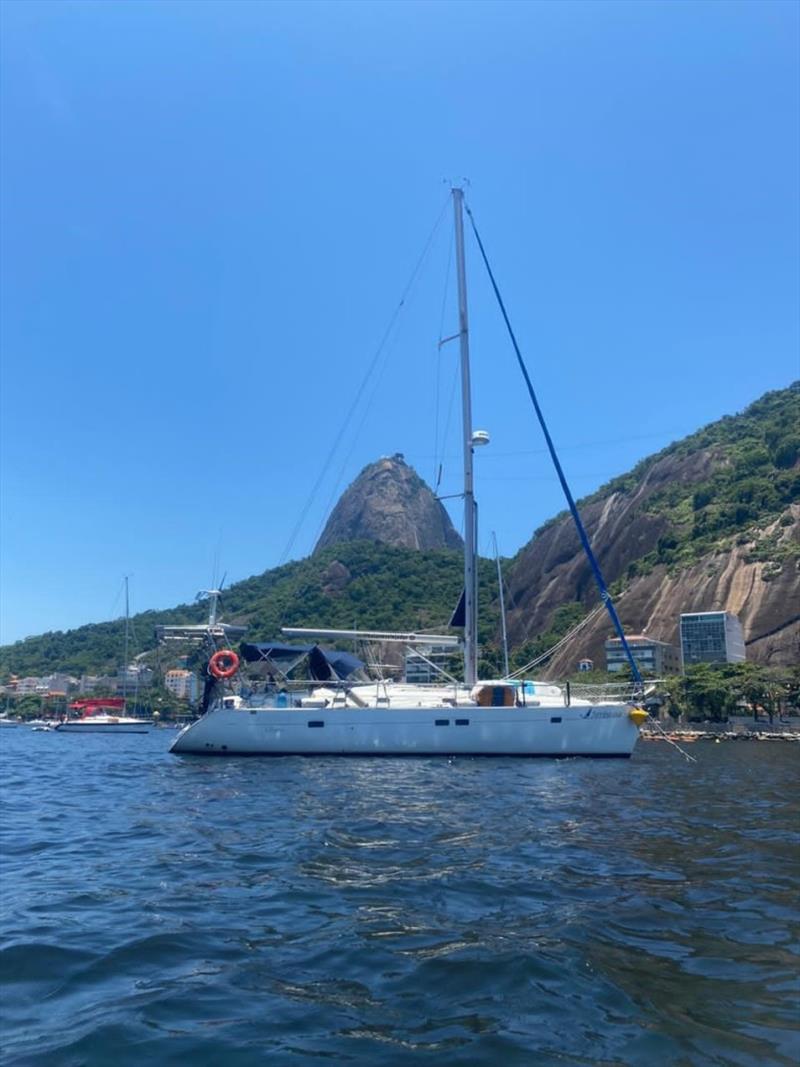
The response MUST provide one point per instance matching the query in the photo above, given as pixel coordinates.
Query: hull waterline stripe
(409, 755)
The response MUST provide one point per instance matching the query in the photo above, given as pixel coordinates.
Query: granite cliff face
(711, 523)
(764, 594)
(389, 503)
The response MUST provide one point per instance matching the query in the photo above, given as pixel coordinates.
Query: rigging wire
(334, 493)
(365, 380)
(368, 407)
(560, 643)
(117, 599)
(605, 596)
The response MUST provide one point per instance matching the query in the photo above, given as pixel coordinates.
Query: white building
(711, 637)
(652, 657)
(182, 684)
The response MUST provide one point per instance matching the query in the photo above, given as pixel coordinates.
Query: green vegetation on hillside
(754, 478)
(753, 485)
(361, 585)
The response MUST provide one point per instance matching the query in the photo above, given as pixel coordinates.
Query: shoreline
(688, 736)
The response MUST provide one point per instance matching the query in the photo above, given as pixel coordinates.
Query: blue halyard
(605, 596)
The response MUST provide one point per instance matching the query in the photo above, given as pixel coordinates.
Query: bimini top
(325, 664)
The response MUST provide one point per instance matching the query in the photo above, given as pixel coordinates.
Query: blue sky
(210, 211)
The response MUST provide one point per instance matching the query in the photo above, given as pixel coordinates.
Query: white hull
(121, 726)
(603, 730)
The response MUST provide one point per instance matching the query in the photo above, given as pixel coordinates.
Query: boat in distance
(355, 716)
(102, 715)
(104, 724)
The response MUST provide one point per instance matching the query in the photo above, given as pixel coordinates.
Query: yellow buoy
(638, 716)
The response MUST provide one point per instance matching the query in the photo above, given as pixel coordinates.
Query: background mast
(470, 576)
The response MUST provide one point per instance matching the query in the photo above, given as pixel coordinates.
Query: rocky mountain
(710, 523)
(389, 503)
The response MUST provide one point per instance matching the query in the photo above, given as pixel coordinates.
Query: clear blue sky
(210, 210)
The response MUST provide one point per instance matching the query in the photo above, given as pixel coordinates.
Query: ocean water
(160, 910)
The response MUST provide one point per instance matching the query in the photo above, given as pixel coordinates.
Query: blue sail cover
(459, 616)
(325, 664)
(253, 652)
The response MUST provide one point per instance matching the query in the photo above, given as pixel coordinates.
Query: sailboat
(501, 717)
(107, 715)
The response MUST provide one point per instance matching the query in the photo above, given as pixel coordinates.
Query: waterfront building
(655, 658)
(711, 637)
(26, 686)
(182, 684)
(133, 678)
(97, 683)
(60, 683)
(419, 672)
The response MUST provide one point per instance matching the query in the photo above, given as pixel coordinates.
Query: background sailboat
(108, 715)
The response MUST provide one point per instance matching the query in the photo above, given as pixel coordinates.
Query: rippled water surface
(158, 909)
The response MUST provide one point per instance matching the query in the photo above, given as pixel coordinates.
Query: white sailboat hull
(604, 731)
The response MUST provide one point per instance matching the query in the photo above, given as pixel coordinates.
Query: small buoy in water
(716, 740)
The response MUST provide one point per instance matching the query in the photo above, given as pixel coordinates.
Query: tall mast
(502, 604)
(470, 570)
(125, 653)
(213, 598)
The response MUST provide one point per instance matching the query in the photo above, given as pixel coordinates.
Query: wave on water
(166, 910)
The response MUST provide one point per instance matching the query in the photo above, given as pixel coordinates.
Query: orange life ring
(224, 664)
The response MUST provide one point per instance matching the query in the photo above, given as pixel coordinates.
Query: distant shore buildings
(653, 657)
(705, 637)
(182, 684)
(131, 680)
(421, 665)
(711, 637)
(128, 683)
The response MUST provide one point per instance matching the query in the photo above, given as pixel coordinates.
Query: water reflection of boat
(347, 716)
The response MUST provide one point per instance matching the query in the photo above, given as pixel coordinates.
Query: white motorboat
(105, 724)
(493, 718)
